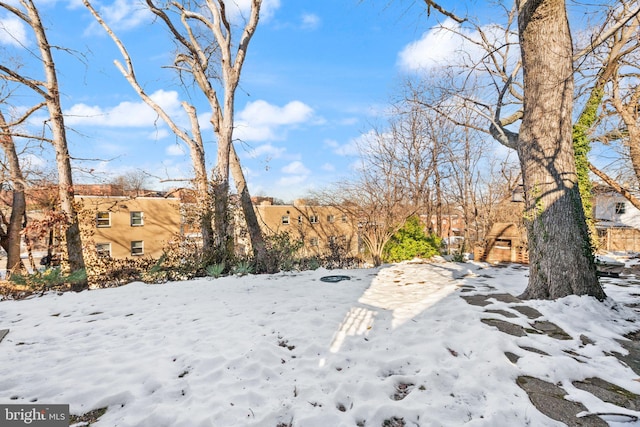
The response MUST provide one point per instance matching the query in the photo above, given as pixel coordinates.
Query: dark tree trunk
(560, 251)
(18, 205)
(73, 240)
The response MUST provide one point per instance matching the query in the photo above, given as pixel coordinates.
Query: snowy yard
(392, 343)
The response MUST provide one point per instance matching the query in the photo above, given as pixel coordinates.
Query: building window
(344, 218)
(137, 219)
(103, 249)
(285, 219)
(502, 244)
(313, 241)
(103, 219)
(332, 240)
(137, 248)
(621, 208)
(300, 219)
(313, 219)
(331, 219)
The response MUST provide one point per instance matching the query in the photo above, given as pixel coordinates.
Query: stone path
(547, 397)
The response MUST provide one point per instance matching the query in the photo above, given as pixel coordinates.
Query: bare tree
(134, 182)
(378, 197)
(206, 52)
(10, 239)
(615, 90)
(562, 262)
(49, 91)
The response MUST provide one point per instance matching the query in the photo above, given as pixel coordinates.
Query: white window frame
(286, 220)
(132, 218)
(331, 219)
(300, 219)
(313, 219)
(134, 247)
(314, 241)
(103, 254)
(99, 219)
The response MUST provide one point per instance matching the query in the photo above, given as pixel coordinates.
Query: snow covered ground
(288, 349)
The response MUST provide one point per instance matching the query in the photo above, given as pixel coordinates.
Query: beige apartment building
(122, 226)
(320, 228)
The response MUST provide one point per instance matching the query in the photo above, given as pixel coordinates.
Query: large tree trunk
(73, 240)
(18, 206)
(560, 252)
(220, 182)
(253, 226)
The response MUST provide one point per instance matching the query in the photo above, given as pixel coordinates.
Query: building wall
(315, 225)
(160, 223)
(617, 210)
(505, 242)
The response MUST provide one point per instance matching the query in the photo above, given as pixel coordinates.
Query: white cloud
(296, 168)
(310, 21)
(239, 9)
(126, 114)
(261, 112)
(174, 150)
(13, 32)
(439, 46)
(350, 148)
(267, 150)
(329, 167)
(32, 161)
(245, 132)
(261, 121)
(125, 14)
(292, 180)
(331, 143)
(158, 134)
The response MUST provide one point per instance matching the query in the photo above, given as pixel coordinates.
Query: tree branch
(615, 186)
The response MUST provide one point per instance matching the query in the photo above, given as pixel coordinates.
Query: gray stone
(504, 313)
(506, 327)
(531, 313)
(549, 399)
(534, 350)
(479, 300)
(508, 298)
(586, 340)
(632, 359)
(513, 358)
(551, 329)
(3, 333)
(610, 393)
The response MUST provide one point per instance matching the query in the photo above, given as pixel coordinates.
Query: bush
(411, 242)
(243, 268)
(215, 270)
(51, 278)
(110, 272)
(281, 253)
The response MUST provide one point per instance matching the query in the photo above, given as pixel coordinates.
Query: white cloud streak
(445, 45)
(126, 114)
(13, 32)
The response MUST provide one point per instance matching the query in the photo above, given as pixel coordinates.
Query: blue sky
(317, 75)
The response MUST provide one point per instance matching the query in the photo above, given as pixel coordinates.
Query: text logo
(34, 415)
